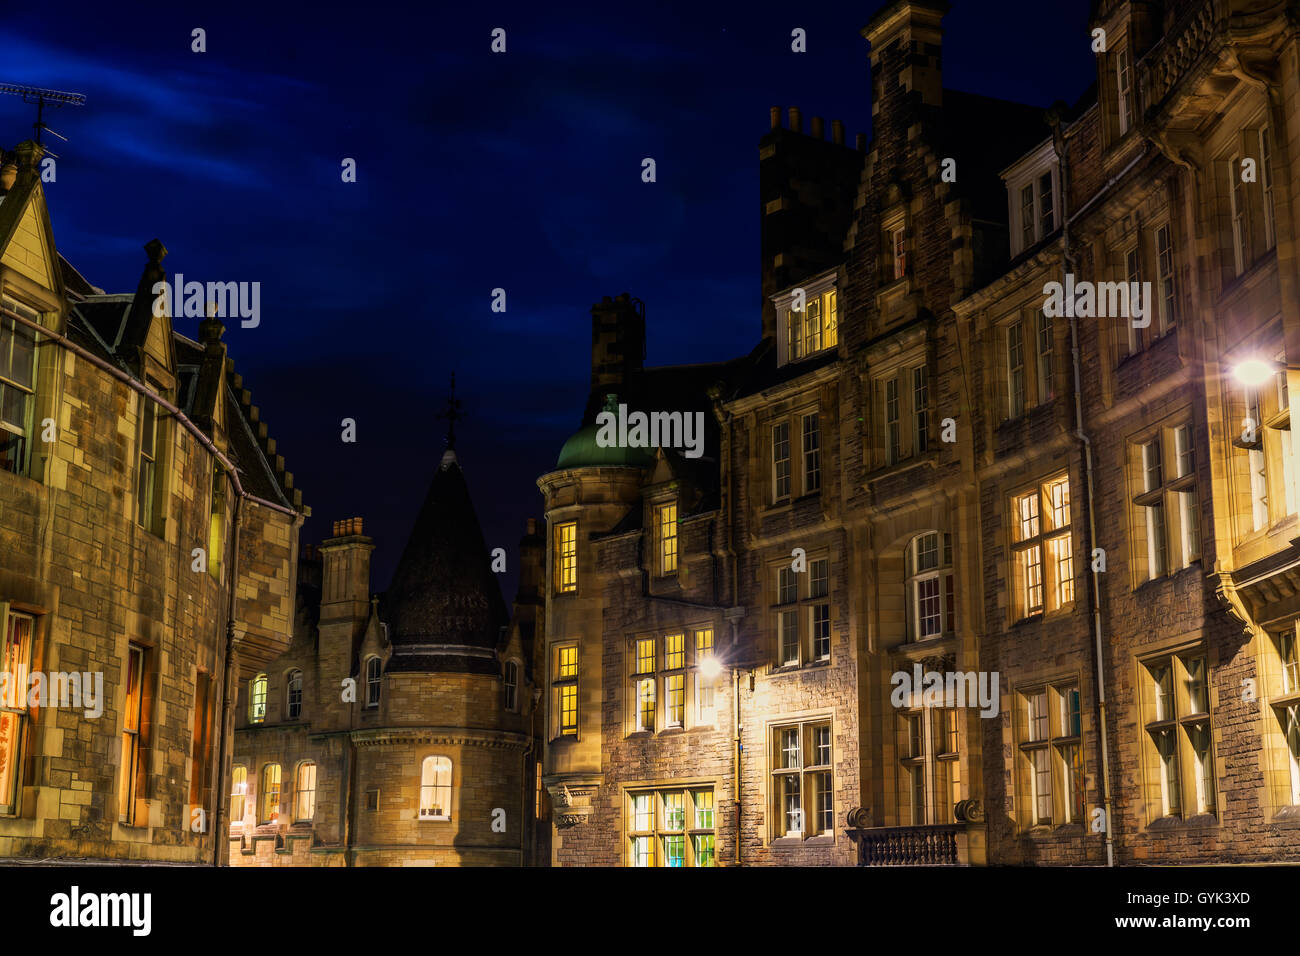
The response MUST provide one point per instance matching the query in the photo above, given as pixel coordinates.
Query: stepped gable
(444, 609)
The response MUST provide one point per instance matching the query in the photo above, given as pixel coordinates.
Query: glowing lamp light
(710, 667)
(1255, 372)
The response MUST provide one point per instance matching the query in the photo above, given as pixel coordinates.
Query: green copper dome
(583, 451)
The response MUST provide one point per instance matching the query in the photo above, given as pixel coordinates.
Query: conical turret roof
(444, 607)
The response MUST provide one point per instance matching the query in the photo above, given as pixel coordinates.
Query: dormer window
(1033, 193)
(807, 320)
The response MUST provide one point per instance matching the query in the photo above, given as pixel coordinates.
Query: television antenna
(35, 96)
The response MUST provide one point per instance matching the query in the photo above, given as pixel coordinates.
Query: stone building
(398, 729)
(148, 538)
(929, 465)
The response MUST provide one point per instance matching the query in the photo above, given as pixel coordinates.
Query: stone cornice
(405, 736)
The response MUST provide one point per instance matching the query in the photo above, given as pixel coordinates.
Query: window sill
(926, 459)
(1200, 821)
(783, 669)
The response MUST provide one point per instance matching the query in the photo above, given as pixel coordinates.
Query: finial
(452, 413)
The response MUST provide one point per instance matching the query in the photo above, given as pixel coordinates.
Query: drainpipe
(227, 698)
(735, 699)
(1058, 141)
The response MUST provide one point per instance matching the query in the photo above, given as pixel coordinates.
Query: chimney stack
(796, 120)
(346, 573)
(818, 131)
(861, 142)
(776, 117)
(617, 344)
(837, 132)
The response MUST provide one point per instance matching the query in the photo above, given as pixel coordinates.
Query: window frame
(1024, 542)
(16, 662)
(812, 800)
(565, 562)
(22, 433)
(434, 766)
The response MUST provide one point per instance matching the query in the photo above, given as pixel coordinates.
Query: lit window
(813, 329)
(14, 667)
(705, 708)
(257, 699)
(217, 522)
(293, 693)
(671, 828)
(803, 625)
(238, 793)
(1043, 549)
(304, 790)
(565, 690)
(930, 587)
(132, 726)
(667, 524)
(17, 386)
(269, 798)
(435, 788)
(566, 557)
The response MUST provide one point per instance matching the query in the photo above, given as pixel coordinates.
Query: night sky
(474, 171)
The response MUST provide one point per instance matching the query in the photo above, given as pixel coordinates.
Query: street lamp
(1254, 372)
(710, 667)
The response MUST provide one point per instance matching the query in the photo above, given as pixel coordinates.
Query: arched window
(931, 598)
(374, 671)
(510, 684)
(257, 699)
(304, 791)
(435, 789)
(293, 695)
(269, 798)
(238, 788)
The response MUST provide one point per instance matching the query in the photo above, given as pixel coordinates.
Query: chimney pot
(796, 120)
(837, 132)
(818, 131)
(776, 117)
(532, 526)
(861, 142)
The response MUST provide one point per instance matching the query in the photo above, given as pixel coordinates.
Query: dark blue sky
(475, 171)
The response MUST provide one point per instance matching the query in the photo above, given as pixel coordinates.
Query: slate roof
(444, 606)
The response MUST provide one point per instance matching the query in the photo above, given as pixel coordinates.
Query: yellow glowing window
(567, 665)
(675, 704)
(270, 808)
(257, 699)
(645, 655)
(703, 643)
(668, 539)
(566, 557)
(569, 709)
(238, 790)
(831, 335)
(674, 651)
